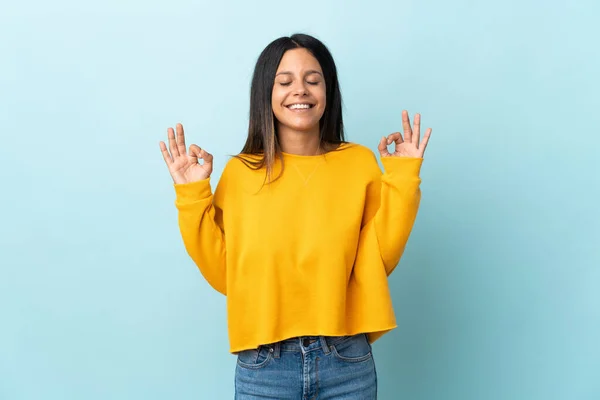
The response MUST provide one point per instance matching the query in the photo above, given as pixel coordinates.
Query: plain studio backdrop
(497, 296)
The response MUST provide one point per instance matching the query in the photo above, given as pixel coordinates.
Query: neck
(305, 143)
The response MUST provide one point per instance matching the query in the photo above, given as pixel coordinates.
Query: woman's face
(298, 97)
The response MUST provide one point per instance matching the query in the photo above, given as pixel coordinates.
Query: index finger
(382, 147)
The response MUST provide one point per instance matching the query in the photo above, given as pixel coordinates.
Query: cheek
(322, 102)
(320, 109)
(276, 102)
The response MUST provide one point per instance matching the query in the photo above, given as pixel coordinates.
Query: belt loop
(324, 344)
(276, 349)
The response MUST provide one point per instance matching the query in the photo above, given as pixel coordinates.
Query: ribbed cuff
(402, 167)
(192, 192)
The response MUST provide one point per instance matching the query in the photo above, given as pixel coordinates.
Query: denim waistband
(306, 344)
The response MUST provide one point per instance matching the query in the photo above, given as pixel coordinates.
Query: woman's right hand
(183, 165)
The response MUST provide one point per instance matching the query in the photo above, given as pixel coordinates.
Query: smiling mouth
(300, 106)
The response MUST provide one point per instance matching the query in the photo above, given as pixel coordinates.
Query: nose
(300, 89)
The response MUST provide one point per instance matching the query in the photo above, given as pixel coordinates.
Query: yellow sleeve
(391, 207)
(201, 226)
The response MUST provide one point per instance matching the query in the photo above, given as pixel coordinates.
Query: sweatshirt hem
(381, 330)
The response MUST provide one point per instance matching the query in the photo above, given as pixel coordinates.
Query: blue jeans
(307, 368)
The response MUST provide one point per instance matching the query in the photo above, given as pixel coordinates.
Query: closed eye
(289, 83)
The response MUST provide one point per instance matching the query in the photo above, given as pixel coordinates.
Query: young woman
(302, 230)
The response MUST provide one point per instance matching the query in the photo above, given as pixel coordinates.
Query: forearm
(202, 236)
(399, 204)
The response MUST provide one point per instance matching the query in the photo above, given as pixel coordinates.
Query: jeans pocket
(355, 349)
(254, 358)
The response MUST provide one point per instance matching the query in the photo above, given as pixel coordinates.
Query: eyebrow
(312, 71)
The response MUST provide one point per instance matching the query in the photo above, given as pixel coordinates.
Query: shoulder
(359, 155)
(235, 171)
(241, 168)
(240, 163)
(356, 150)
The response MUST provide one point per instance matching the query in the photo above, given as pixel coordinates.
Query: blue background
(497, 295)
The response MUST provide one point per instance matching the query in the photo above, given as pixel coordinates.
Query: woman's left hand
(408, 146)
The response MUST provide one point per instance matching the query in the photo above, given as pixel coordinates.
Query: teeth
(297, 106)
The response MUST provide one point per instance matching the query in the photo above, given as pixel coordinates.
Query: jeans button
(306, 342)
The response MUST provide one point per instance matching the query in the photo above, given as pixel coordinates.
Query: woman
(302, 230)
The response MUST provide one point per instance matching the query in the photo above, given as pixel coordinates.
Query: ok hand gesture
(183, 165)
(408, 146)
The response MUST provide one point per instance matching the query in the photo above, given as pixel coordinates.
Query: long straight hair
(263, 140)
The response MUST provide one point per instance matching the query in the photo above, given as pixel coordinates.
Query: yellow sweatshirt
(308, 254)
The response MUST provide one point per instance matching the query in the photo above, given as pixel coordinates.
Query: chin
(304, 127)
(302, 124)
